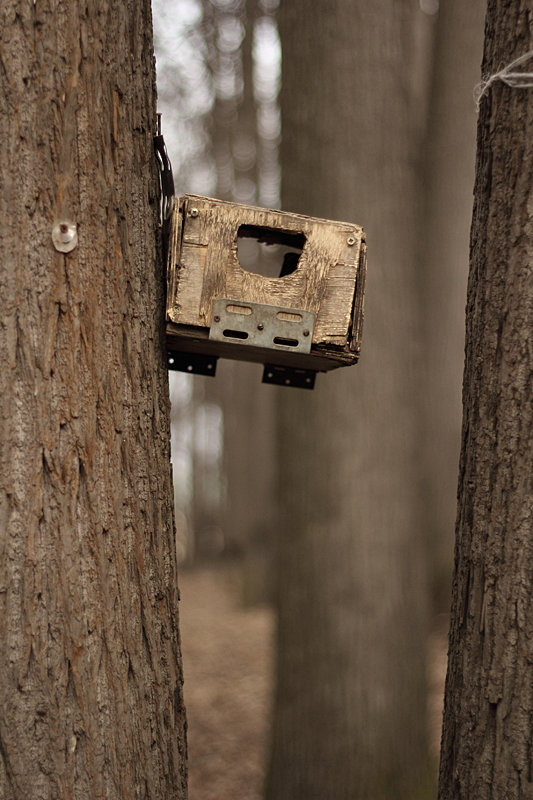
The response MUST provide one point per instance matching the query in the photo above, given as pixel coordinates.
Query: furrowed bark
(487, 745)
(90, 670)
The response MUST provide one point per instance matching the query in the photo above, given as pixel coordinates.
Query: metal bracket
(194, 363)
(289, 376)
(166, 178)
(258, 325)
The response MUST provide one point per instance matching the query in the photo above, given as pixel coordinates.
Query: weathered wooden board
(204, 266)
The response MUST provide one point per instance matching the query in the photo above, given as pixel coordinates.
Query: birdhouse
(253, 284)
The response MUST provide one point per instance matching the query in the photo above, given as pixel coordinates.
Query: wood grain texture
(487, 744)
(90, 672)
(207, 267)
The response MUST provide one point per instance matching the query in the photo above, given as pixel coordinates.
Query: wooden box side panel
(358, 311)
(205, 265)
(174, 248)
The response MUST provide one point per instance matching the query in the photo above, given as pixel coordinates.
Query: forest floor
(228, 659)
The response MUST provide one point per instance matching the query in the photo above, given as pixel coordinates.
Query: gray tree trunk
(350, 710)
(249, 443)
(90, 670)
(487, 742)
(448, 179)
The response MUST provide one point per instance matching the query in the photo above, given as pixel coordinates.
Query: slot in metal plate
(259, 325)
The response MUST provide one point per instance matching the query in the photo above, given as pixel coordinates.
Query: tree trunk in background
(236, 388)
(487, 736)
(244, 149)
(224, 65)
(350, 710)
(249, 441)
(249, 461)
(90, 671)
(449, 177)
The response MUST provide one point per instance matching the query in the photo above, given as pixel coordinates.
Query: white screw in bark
(64, 236)
(350, 241)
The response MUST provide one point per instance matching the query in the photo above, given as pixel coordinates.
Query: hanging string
(517, 80)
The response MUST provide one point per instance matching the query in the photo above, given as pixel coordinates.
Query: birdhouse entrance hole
(254, 284)
(268, 252)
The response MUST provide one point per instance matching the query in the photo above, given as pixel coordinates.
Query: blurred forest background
(331, 512)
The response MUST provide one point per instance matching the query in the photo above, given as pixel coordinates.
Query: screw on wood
(350, 241)
(194, 212)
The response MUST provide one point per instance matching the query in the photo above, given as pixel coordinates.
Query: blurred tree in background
(352, 601)
(447, 183)
(226, 52)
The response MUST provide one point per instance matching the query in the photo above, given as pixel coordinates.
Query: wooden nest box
(253, 284)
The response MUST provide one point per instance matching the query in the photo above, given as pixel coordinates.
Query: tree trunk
(487, 740)
(248, 411)
(448, 176)
(90, 670)
(350, 710)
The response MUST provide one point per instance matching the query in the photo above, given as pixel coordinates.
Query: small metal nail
(350, 240)
(194, 212)
(260, 327)
(306, 332)
(216, 318)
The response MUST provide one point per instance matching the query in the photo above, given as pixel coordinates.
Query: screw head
(194, 212)
(306, 332)
(216, 318)
(350, 241)
(260, 327)
(64, 236)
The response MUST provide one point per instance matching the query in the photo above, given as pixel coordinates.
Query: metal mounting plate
(270, 327)
(289, 376)
(195, 363)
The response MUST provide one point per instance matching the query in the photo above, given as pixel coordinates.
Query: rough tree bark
(90, 671)
(487, 745)
(350, 717)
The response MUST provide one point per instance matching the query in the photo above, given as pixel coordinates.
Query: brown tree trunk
(90, 671)
(350, 711)
(487, 743)
(448, 177)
